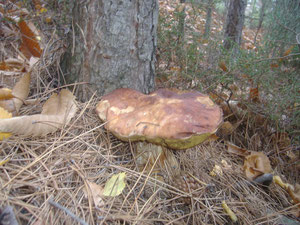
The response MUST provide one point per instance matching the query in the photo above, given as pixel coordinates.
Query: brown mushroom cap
(171, 118)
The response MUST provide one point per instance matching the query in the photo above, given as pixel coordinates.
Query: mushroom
(167, 118)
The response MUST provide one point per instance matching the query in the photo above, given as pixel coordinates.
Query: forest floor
(59, 178)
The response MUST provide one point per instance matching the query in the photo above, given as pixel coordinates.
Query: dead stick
(68, 212)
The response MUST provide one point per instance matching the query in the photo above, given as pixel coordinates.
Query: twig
(274, 58)
(298, 38)
(68, 212)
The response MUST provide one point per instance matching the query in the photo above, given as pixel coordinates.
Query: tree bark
(234, 23)
(261, 18)
(208, 18)
(112, 46)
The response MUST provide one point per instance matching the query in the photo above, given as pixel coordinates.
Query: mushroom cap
(171, 118)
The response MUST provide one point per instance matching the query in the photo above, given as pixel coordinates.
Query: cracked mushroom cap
(171, 118)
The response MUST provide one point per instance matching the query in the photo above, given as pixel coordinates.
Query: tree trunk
(112, 46)
(208, 18)
(253, 10)
(261, 18)
(234, 23)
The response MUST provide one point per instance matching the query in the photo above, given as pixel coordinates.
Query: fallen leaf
(21, 91)
(12, 64)
(4, 66)
(294, 193)
(231, 148)
(225, 164)
(217, 170)
(225, 129)
(274, 65)
(256, 164)
(29, 39)
(3, 115)
(278, 180)
(229, 212)
(57, 112)
(288, 51)
(223, 66)
(115, 185)
(96, 192)
(8, 105)
(254, 94)
(19, 94)
(5, 94)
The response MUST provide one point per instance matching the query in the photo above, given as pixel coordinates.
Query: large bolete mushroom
(173, 119)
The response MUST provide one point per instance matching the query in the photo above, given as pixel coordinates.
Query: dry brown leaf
(223, 66)
(225, 129)
(254, 94)
(21, 91)
(256, 164)
(231, 148)
(274, 65)
(288, 51)
(5, 94)
(29, 39)
(4, 66)
(96, 192)
(12, 64)
(8, 105)
(57, 112)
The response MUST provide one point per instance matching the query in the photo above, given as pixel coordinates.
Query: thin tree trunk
(113, 45)
(208, 18)
(252, 12)
(234, 23)
(261, 18)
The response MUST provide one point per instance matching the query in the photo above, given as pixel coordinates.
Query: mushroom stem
(156, 159)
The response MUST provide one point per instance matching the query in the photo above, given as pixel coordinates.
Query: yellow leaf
(43, 10)
(294, 192)
(58, 110)
(115, 185)
(256, 164)
(4, 161)
(96, 192)
(5, 94)
(4, 114)
(229, 212)
(21, 91)
(48, 19)
(277, 180)
(217, 170)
